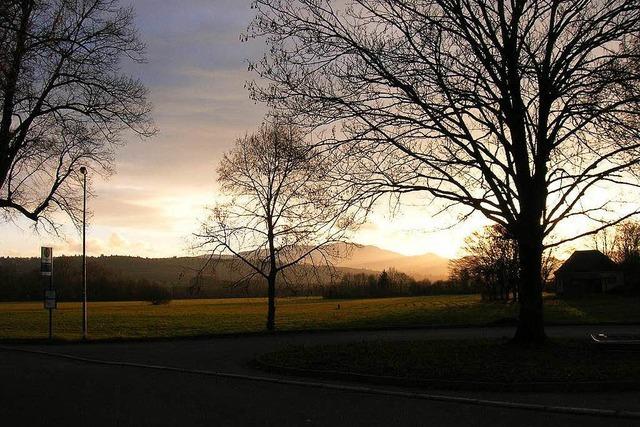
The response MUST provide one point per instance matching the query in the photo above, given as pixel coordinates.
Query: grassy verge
(466, 361)
(115, 320)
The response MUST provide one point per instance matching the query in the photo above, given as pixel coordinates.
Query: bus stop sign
(50, 300)
(46, 261)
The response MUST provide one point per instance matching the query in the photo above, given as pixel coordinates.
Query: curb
(449, 384)
(349, 388)
(232, 335)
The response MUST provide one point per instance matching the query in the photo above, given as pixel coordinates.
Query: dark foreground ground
(42, 390)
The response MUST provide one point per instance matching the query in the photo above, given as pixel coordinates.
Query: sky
(152, 205)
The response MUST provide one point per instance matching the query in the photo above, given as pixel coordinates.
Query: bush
(160, 301)
(157, 295)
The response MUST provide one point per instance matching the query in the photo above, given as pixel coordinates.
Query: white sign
(50, 300)
(46, 261)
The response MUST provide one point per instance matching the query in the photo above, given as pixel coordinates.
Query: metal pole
(84, 255)
(51, 310)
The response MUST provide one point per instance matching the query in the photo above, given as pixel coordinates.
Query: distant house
(587, 272)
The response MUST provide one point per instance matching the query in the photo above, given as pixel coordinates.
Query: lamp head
(83, 170)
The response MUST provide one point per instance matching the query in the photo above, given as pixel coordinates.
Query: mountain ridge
(424, 266)
(358, 258)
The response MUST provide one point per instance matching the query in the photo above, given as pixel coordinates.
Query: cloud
(196, 71)
(116, 241)
(114, 244)
(117, 211)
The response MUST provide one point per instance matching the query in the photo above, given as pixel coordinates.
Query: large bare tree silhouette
(517, 109)
(64, 99)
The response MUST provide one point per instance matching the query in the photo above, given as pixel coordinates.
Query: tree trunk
(12, 73)
(531, 321)
(271, 311)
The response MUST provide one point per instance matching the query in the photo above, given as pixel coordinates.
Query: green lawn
(478, 360)
(109, 320)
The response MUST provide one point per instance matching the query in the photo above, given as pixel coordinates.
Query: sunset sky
(196, 72)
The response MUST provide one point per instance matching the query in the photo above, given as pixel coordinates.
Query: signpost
(46, 270)
(46, 261)
(50, 302)
(85, 318)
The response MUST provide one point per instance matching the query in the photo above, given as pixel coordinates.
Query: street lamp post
(83, 171)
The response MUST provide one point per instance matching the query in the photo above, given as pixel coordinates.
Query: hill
(128, 277)
(368, 258)
(361, 259)
(426, 266)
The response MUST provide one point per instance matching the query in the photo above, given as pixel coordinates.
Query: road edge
(610, 413)
(234, 335)
(447, 384)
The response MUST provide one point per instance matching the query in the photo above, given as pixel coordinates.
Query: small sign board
(50, 302)
(46, 261)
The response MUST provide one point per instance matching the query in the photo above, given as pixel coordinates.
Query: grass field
(463, 361)
(115, 320)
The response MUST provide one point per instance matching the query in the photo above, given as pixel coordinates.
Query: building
(587, 272)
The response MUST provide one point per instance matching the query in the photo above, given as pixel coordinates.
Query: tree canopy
(276, 210)
(65, 100)
(522, 110)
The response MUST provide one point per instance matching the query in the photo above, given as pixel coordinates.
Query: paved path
(231, 354)
(33, 385)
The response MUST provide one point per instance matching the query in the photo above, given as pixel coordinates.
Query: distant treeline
(20, 280)
(120, 278)
(393, 283)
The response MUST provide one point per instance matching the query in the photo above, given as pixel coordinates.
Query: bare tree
(605, 241)
(516, 109)
(627, 242)
(622, 244)
(65, 101)
(279, 213)
(491, 259)
(550, 265)
(626, 251)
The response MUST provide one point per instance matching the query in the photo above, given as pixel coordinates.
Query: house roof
(584, 261)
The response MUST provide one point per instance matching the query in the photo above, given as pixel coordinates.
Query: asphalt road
(41, 390)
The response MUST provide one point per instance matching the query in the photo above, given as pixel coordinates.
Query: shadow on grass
(559, 365)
